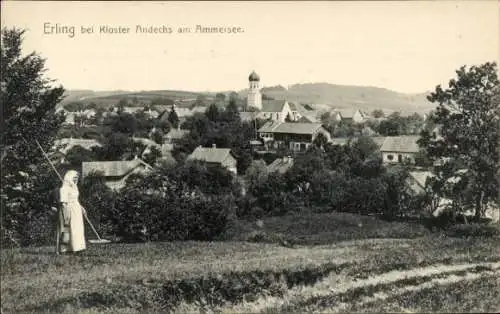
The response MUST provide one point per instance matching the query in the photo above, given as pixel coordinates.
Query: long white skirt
(75, 229)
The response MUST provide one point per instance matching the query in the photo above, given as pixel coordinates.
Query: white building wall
(254, 98)
(386, 157)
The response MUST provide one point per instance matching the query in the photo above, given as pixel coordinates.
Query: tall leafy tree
(28, 101)
(213, 113)
(173, 119)
(466, 147)
(378, 113)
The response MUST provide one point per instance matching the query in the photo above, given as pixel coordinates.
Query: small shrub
(473, 230)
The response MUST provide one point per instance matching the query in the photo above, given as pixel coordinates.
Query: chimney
(214, 146)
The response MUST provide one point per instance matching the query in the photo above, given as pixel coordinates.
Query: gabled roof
(202, 109)
(346, 113)
(181, 111)
(293, 106)
(401, 144)
(290, 127)
(145, 141)
(307, 119)
(272, 105)
(210, 154)
(177, 133)
(69, 143)
(421, 176)
(379, 140)
(132, 109)
(112, 168)
(247, 115)
(339, 141)
(280, 165)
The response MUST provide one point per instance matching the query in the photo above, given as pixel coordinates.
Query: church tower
(254, 98)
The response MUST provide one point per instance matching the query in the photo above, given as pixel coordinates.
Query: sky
(406, 46)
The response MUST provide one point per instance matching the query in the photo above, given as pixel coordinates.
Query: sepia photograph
(250, 156)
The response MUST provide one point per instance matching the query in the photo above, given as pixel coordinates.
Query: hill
(109, 98)
(323, 95)
(347, 96)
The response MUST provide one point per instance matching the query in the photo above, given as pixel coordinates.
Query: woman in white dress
(70, 233)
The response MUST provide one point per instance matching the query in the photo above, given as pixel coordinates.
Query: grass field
(366, 272)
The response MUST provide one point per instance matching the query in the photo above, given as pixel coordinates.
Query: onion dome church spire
(254, 98)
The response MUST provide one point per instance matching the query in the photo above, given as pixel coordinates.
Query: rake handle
(91, 225)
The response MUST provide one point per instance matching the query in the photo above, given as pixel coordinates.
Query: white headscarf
(69, 178)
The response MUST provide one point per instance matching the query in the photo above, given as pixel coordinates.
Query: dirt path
(339, 283)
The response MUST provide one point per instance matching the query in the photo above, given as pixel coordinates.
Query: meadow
(374, 266)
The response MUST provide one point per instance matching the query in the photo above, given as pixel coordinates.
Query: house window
(400, 158)
(390, 157)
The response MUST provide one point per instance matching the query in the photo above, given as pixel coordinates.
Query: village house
(65, 144)
(275, 110)
(115, 173)
(295, 111)
(294, 136)
(280, 165)
(378, 140)
(416, 182)
(216, 156)
(132, 110)
(165, 149)
(308, 118)
(397, 149)
(174, 135)
(248, 116)
(62, 146)
(349, 115)
(182, 112)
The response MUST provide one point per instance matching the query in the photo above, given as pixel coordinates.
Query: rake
(99, 239)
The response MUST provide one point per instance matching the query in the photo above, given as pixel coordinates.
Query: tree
(378, 113)
(213, 113)
(117, 146)
(388, 127)
(365, 147)
(158, 136)
(152, 156)
(256, 173)
(123, 102)
(320, 140)
(28, 101)
(173, 119)
(220, 97)
(234, 96)
(466, 147)
(125, 123)
(231, 114)
(78, 154)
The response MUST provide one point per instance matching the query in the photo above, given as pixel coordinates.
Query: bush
(172, 212)
(473, 230)
(99, 201)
